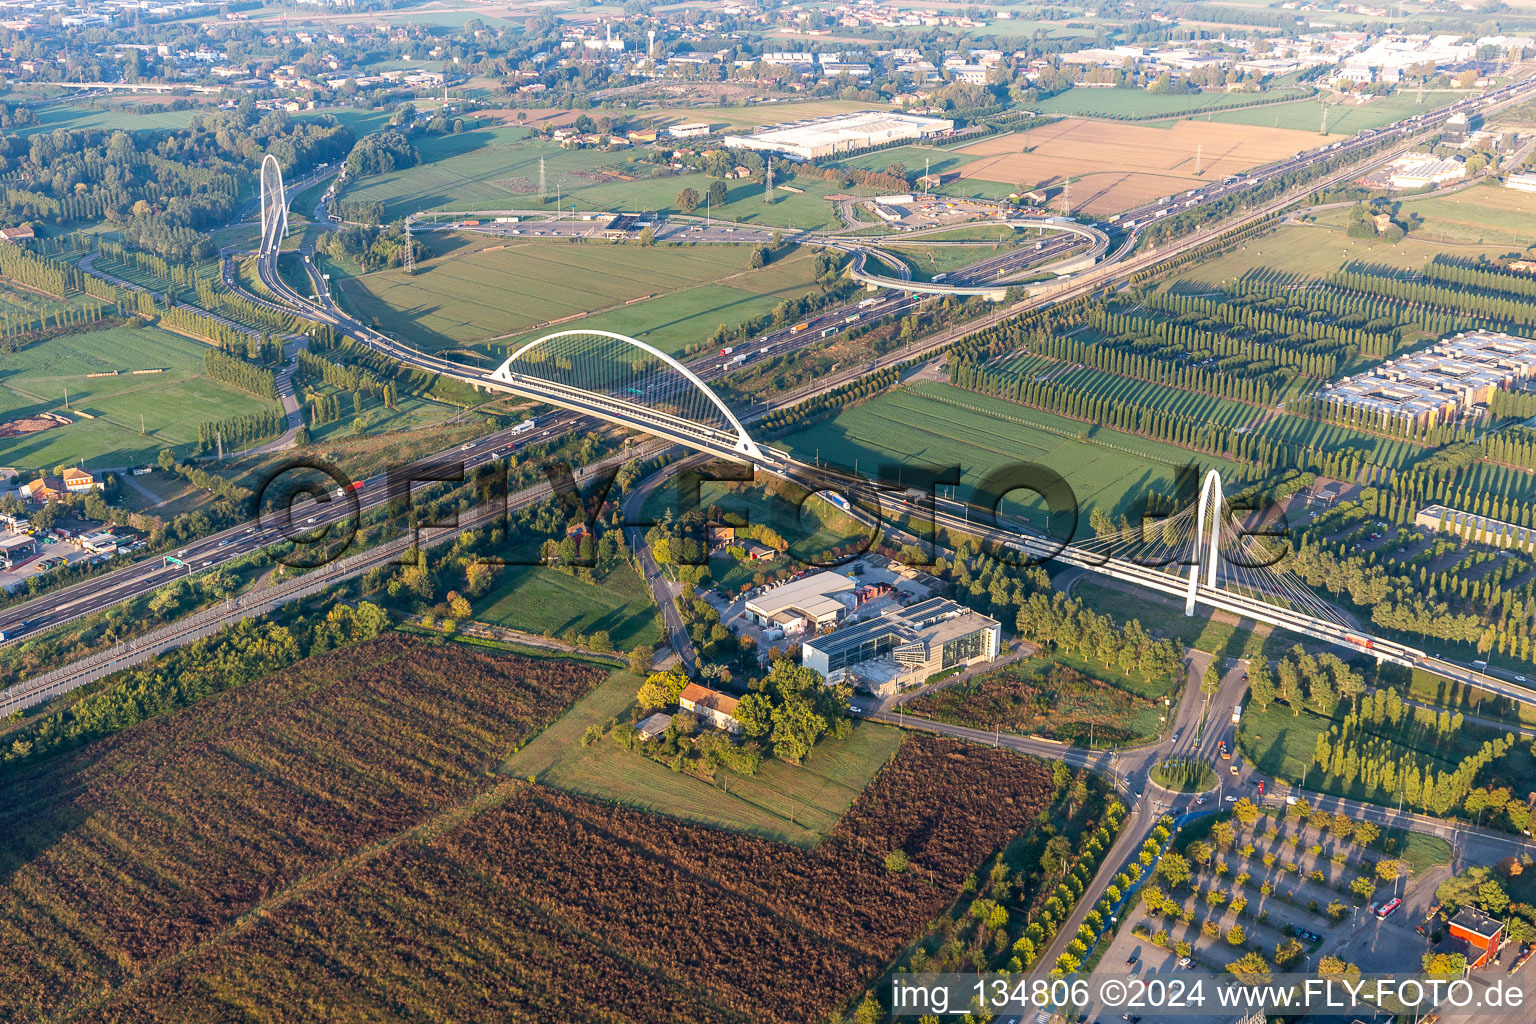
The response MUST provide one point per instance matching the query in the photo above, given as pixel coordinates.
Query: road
(663, 590)
(1128, 769)
(61, 606)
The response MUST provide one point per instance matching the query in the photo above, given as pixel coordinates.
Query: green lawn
(1163, 616)
(1281, 744)
(784, 803)
(170, 405)
(937, 425)
(540, 600)
(480, 294)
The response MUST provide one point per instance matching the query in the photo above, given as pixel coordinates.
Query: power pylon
(1199, 155)
(410, 249)
(541, 181)
(768, 183)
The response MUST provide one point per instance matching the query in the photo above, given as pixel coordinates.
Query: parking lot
(1280, 882)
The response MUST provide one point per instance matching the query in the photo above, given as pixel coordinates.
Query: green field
(1483, 215)
(1316, 250)
(1163, 616)
(497, 168)
(1200, 407)
(916, 159)
(541, 600)
(53, 117)
(936, 425)
(171, 404)
(784, 803)
(1282, 744)
(669, 297)
(1343, 118)
(812, 528)
(1139, 103)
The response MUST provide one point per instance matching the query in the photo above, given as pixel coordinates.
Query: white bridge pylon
(1207, 511)
(274, 205)
(742, 442)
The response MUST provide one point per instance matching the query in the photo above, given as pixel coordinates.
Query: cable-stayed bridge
(1202, 555)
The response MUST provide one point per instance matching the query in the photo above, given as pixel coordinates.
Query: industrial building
(1442, 519)
(1521, 182)
(1438, 384)
(1421, 171)
(819, 137)
(15, 548)
(808, 602)
(904, 646)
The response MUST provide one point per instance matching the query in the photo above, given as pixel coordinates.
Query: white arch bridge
(1203, 554)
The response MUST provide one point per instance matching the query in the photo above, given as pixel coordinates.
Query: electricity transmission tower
(410, 249)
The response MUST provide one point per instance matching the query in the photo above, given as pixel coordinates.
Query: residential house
(43, 490)
(78, 481)
(712, 706)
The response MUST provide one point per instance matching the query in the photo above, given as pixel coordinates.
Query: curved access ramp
(863, 248)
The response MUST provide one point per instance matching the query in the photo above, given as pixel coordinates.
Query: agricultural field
(683, 924)
(169, 404)
(1044, 697)
(541, 600)
(1141, 104)
(1348, 118)
(936, 425)
(285, 776)
(1116, 166)
(798, 805)
(498, 169)
(479, 294)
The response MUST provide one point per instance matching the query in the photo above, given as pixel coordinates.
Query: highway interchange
(108, 589)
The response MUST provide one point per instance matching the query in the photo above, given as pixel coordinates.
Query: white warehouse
(820, 137)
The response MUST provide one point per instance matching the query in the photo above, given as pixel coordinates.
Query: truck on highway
(828, 332)
(852, 319)
(728, 350)
(799, 327)
(1237, 714)
(865, 304)
(526, 425)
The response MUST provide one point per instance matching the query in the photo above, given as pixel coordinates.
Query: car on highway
(1176, 734)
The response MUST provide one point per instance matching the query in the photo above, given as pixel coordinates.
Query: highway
(64, 605)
